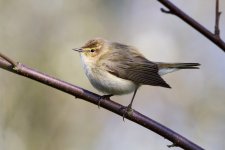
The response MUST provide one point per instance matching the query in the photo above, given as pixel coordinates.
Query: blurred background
(41, 34)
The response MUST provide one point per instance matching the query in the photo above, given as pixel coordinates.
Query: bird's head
(92, 48)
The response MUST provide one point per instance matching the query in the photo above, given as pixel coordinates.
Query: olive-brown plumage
(116, 68)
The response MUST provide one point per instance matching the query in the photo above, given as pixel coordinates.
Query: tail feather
(184, 65)
(165, 68)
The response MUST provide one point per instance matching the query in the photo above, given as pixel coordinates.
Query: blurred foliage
(41, 35)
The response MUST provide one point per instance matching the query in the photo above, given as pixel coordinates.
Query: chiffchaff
(116, 68)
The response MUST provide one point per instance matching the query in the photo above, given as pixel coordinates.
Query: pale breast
(106, 82)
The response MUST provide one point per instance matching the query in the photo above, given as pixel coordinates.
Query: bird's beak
(78, 49)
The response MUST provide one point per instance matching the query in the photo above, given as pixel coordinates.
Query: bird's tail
(165, 68)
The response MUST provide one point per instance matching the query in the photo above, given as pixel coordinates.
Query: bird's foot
(127, 110)
(102, 98)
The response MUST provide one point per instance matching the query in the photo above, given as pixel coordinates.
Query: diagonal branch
(86, 95)
(200, 28)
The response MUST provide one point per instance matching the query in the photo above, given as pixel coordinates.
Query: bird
(115, 68)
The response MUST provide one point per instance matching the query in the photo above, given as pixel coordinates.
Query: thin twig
(218, 13)
(86, 95)
(14, 64)
(200, 28)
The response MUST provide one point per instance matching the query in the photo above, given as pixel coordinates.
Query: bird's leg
(128, 109)
(102, 98)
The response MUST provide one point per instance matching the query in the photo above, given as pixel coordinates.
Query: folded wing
(131, 65)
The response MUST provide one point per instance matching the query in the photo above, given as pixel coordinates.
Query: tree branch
(86, 95)
(218, 13)
(9, 60)
(179, 13)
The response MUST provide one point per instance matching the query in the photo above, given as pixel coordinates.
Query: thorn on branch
(172, 145)
(166, 11)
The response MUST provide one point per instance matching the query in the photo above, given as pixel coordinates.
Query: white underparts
(105, 81)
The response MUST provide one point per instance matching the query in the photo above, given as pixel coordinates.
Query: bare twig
(218, 13)
(78, 92)
(14, 64)
(179, 13)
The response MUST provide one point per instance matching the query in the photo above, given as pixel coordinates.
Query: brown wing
(131, 65)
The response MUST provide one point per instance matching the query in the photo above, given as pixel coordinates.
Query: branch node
(9, 60)
(166, 11)
(17, 67)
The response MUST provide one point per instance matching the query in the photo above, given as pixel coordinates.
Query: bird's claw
(102, 98)
(127, 110)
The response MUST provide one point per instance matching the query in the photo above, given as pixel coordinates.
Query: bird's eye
(92, 50)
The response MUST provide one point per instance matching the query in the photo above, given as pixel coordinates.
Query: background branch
(218, 13)
(78, 92)
(179, 13)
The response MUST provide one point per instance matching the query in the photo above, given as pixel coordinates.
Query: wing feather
(131, 65)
